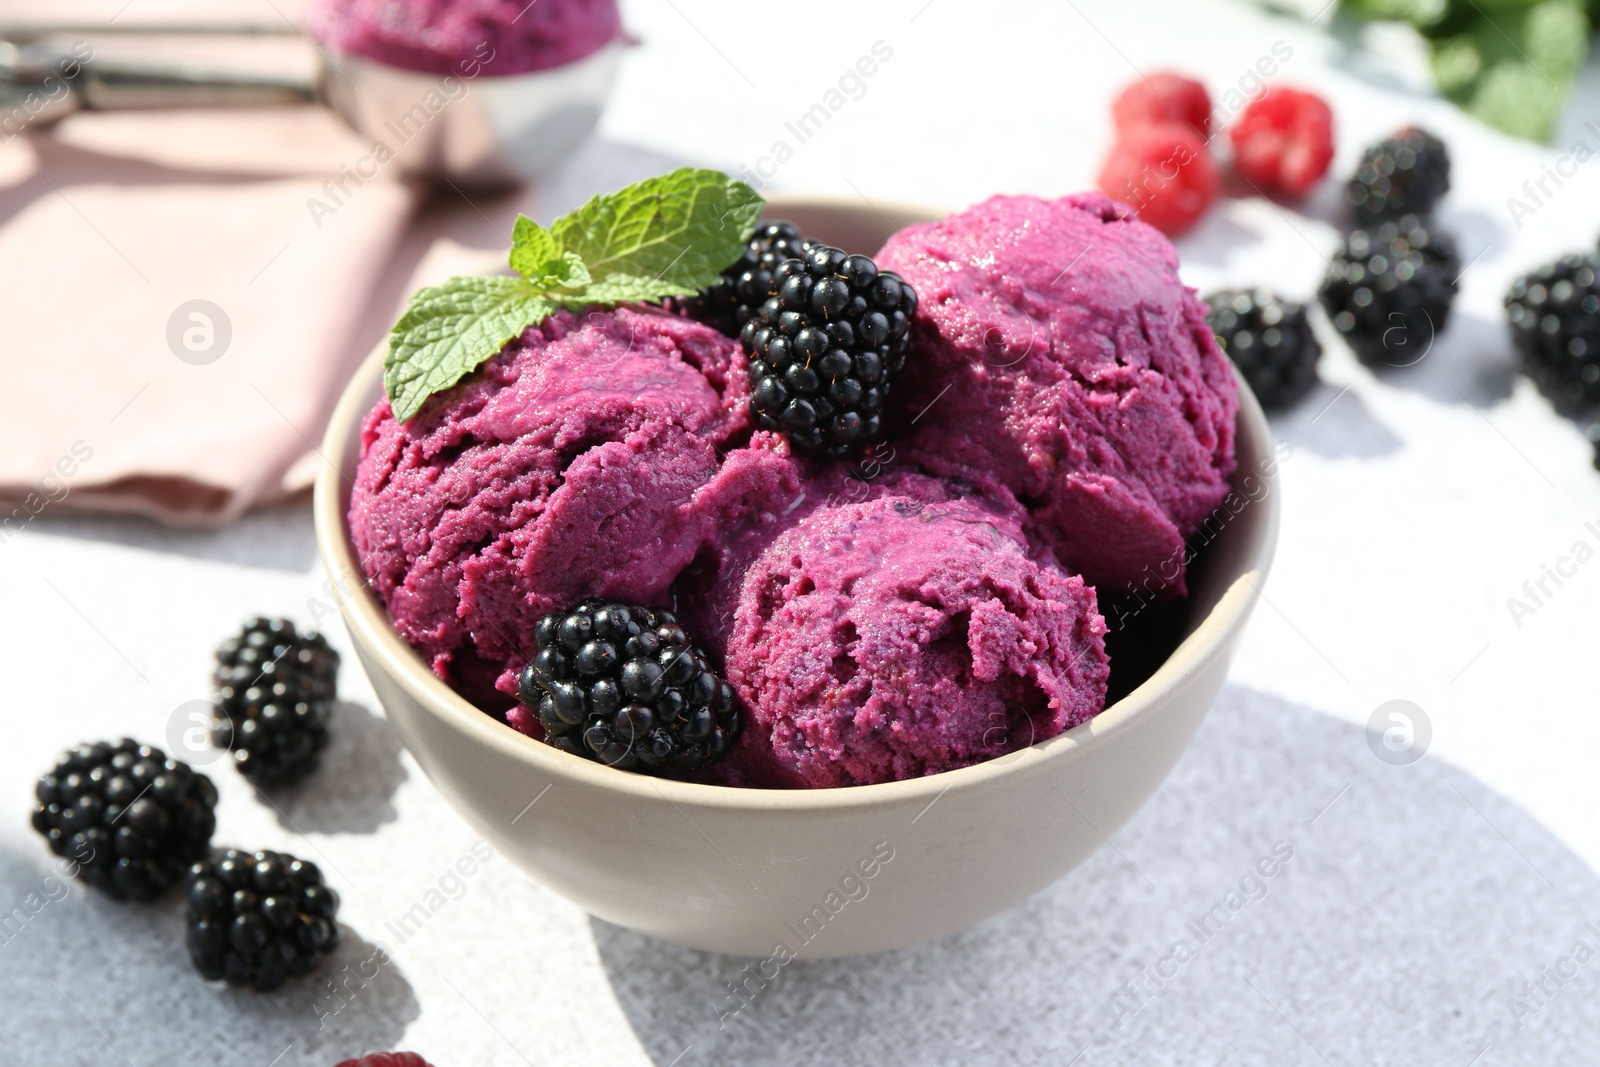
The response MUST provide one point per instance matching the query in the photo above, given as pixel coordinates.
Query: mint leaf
(538, 257)
(533, 248)
(448, 331)
(664, 236)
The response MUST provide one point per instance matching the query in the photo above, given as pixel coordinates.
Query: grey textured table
(1417, 915)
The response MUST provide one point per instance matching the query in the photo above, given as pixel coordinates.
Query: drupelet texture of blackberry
(825, 348)
(1269, 339)
(259, 919)
(621, 684)
(1389, 290)
(733, 301)
(1406, 174)
(275, 689)
(129, 818)
(1554, 314)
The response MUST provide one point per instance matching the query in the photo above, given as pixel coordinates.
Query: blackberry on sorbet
(825, 348)
(745, 285)
(621, 684)
(274, 698)
(1389, 290)
(130, 818)
(1406, 174)
(1269, 339)
(259, 919)
(1554, 314)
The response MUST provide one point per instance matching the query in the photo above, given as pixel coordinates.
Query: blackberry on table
(259, 919)
(733, 301)
(824, 349)
(386, 1059)
(1406, 174)
(128, 816)
(1389, 290)
(1269, 339)
(1554, 314)
(274, 697)
(622, 685)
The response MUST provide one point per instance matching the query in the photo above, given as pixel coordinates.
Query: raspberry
(622, 685)
(1283, 142)
(1164, 173)
(1161, 98)
(386, 1059)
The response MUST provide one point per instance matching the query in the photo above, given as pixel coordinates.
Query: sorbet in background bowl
(483, 92)
(467, 37)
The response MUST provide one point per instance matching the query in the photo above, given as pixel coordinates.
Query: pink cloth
(110, 223)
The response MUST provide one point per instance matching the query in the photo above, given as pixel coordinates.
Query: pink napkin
(183, 295)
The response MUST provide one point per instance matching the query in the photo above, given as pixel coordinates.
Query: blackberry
(1406, 174)
(734, 301)
(824, 349)
(1554, 314)
(1389, 290)
(1269, 339)
(622, 685)
(386, 1059)
(258, 919)
(275, 692)
(129, 817)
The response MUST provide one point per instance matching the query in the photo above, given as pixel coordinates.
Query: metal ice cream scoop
(469, 131)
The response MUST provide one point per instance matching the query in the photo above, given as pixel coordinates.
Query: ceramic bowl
(483, 132)
(810, 873)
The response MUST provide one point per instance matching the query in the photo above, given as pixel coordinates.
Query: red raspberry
(1161, 98)
(1283, 141)
(386, 1059)
(1164, 173)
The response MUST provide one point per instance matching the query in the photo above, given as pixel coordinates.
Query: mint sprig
(670, 235)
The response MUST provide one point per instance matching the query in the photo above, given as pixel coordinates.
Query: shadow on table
(1470, 362)
(1406, 907)
(353, 791)
(277, 538)
(88, 980)
(1335, 423)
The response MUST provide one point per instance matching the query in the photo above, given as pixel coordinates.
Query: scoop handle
(123, 86)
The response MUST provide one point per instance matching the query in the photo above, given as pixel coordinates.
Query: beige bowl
(813, 873)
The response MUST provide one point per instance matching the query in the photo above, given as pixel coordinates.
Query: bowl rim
(364, 615)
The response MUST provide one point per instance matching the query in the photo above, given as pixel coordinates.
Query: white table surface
(1418, 899)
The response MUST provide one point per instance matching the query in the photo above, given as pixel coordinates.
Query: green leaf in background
(448, 331)
(1514, 68)
(666, 236)
(661, 237)
(1419, 13)
(1512, 64)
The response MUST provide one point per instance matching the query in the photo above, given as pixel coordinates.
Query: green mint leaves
(669, 235)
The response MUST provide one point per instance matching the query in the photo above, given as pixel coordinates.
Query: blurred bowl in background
(491, 130)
